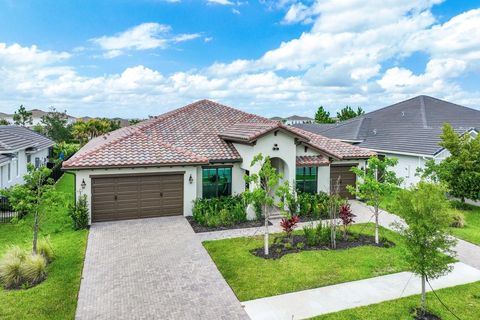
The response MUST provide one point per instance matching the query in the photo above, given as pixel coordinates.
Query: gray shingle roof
(16, 137)
(410, 126)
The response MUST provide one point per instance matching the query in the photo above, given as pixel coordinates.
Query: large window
(216, 182)
(307, 179)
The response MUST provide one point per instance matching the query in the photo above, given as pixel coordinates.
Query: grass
(56, 297)
(463, 300)
(470, 232)
(252, 277)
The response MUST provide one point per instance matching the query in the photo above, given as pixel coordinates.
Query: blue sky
(139, 58)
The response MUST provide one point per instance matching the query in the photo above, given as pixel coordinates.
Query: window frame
(216, 183)
(301, 184)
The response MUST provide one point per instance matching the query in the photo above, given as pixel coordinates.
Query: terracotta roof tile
(309, 161)
(189, 135)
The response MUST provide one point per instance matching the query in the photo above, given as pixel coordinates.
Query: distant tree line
(323, 116)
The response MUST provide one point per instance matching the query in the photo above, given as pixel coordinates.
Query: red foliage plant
(289, 224)
(346, 215)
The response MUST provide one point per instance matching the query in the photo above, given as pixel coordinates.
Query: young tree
(22, 117)
(264, 184)
(4, 122)
(375, 183)
(323, 116)
(460, 171)
(348, 113)
(34, 197)
(425, 210)
(55, 126)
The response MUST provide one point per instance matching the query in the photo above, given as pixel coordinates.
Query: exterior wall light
(275, 147)
(190, 179)
(83, 184)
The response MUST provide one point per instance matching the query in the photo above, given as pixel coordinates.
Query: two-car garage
(124, 196)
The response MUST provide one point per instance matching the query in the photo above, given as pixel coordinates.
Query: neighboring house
(19, 146)
(159, 166)
(409, 130)
(294, 120)
(36, 117)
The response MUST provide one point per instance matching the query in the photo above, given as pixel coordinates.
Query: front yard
(56, 297)
(253, 277)
(463, 300)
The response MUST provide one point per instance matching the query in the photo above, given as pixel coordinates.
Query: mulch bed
(197, 228)
(420, 315)
(281, 245)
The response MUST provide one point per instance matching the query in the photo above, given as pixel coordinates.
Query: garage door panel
(136, 196)
(347, 177)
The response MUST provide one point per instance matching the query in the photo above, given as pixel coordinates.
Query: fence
(6, 211)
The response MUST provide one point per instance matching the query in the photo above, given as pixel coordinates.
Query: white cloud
(145, 36)
(341, 60)
(221, 2)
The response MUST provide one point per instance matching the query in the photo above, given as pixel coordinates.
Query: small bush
(33, 270)
(313, 205)
(225, 211)
(457, 219)
(316, 235)
(300, 245)
(11, 268)
(309, 232)
(45, 249)
(79, 213)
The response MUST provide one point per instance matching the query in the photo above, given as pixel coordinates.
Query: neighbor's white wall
(407, 168)
(189, 193)
(22, 167)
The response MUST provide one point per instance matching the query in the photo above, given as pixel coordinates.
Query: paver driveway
(152, 269)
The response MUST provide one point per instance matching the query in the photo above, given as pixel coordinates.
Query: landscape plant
(22, 117)
(346, 215)
(428, 244)
(223, 211)
(36, 197)
(18, 269)
(79, 212)
(460, 171)
(289, 224)
(348, 113)
(374, 183)
(265, 182)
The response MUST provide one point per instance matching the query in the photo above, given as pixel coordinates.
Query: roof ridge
(423, 113)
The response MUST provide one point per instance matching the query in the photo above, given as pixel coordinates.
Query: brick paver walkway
(152, 269)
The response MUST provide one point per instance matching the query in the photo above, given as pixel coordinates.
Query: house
(37, 116)
(409, 131)
(159, 166)
(294, 120)
(18, 147)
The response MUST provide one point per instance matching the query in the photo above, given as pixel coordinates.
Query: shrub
(79, 213)
(346, 215)
(33, 270)
(316, 235)
(258, 210)
(457, 219)
(45, 249)
(10, 268)
(288, 224)
(216, 212)
(300, 245)
(313, 205)
(310, 236)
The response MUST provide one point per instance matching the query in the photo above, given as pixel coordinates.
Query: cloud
(145, 36)
(221, 2)
(352, 59)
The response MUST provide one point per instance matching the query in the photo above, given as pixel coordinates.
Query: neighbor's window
(37, 162)
(9, 171)
(307, 179)
(216, 182)
(29, 158)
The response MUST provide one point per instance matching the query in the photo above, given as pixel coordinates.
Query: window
(16, 165)
(216, 182)
(9, 171)
(37, 162)
(307, 179)
(29, 158)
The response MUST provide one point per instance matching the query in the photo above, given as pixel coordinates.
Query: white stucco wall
(189, 193)
(16, 176)
(407, 168)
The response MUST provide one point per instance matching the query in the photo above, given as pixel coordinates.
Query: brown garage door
(123, 197)
(346, 178)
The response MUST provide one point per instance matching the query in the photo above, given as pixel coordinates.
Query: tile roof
(307, 161)
(198, 133)
(411, 126)
(16, 137)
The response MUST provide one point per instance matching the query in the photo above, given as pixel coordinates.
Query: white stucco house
(159, 166)
(409, 131)
(18, 147)
(37, 116)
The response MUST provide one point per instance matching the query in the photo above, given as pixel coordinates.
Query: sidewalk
(309, 303)
(467, 252)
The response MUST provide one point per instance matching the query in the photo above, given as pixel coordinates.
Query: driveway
(152, 269)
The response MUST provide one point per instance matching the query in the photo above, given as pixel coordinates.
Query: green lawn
(471, 231)
(56, 297)
(463, 300)
(252, 277)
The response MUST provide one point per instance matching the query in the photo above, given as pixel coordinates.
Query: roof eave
(134, 166)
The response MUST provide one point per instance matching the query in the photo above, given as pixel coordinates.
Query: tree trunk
(35, 234)
(376, 225)
(424, 297)
(265, 244)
